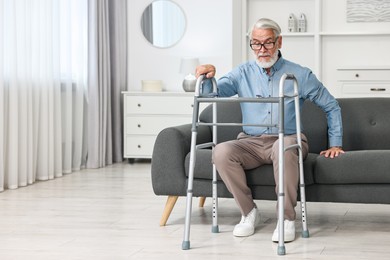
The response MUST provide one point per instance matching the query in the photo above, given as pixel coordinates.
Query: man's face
(265, 46)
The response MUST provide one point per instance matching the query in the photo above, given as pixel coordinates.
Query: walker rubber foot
(185, 245)
(305, 233)
(281, 250)
(215, 229)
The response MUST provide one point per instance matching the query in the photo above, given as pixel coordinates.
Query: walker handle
(200, 91)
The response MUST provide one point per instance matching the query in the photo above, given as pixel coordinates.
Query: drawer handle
(356, 75)
(139, 105)
(139, 146)
(378, 89)
(139, 126)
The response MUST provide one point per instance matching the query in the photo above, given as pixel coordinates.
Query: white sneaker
(289, 231)
(247, 225)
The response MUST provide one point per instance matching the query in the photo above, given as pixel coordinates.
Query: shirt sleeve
(229, 84)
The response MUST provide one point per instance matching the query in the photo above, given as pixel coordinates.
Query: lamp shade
(188, 65)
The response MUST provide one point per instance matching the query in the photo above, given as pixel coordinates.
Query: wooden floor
(112, 213)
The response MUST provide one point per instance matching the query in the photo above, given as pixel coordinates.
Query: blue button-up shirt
(250, 80)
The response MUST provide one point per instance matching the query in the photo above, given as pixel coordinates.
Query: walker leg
(305, 231)
(215, 228)
(281, 247)
(186, 240)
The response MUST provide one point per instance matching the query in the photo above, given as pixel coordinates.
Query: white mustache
(263, 55)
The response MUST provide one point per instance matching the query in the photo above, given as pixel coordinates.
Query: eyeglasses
(266, 45)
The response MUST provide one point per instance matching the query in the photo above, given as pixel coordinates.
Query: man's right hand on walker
(207, 69)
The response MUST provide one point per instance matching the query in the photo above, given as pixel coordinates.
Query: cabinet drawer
(139, 146)
(363, 74)
(180, 105)
(367, 89)
(153, 124)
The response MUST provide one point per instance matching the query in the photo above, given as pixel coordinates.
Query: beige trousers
(231, 158)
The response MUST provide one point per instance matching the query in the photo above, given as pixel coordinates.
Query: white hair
(265, 23)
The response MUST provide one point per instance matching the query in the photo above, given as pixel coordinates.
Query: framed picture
(368, 11)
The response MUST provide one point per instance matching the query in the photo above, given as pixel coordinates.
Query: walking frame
(213, 98)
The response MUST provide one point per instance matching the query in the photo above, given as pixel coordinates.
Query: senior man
(256, 146)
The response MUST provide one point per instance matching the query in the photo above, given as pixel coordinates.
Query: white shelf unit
(294, 43)
(306, 34)
(330, 41)
(147, 113)
(354, 33)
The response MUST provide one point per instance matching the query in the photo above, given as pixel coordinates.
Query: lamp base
(189, 85)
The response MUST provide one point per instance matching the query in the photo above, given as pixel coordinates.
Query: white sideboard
(357, 81)
(147, 113)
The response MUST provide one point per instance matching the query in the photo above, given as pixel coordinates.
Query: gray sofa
(361, 175)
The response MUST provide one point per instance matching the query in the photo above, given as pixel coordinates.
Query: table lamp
(187, 67)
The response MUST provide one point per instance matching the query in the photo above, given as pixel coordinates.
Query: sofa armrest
(168, 159)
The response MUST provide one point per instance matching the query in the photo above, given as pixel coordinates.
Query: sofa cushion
(354, 167)
(259, 176)
(264, 174)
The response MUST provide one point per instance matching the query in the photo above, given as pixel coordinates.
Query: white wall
(208, 36)
(365, 49)
(296, 49)
(331, 42)
(216, 29)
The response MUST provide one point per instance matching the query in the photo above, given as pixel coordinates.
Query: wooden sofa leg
(201, 201)
(171, 201)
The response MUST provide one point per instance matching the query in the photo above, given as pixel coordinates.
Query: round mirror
(163, 23)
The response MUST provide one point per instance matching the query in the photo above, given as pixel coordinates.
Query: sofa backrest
(314, 126)
(313, 121)
(226, 113)
(366, 123)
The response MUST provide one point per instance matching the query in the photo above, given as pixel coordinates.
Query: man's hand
(207, 69)
(332, 152)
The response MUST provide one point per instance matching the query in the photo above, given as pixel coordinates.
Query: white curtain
(2, 106)
(43, 85)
